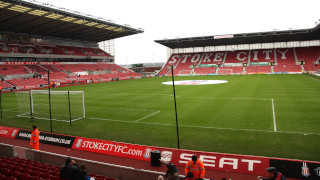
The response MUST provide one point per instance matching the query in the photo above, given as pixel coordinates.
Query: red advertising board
(215, 161)
(113, 148)
(8, 132)
(218, 161)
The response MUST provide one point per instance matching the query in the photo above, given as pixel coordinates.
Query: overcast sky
(187, 18)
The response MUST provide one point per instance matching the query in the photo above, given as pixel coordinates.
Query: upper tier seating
(37, 69)
(47, 49)
(70, 50)
(229, 70)
(205, 70)
(51, 68)
(12, 70)
(258, 69)
(30, 82)
(92, 51)
(257, 61)
(68, 67)
(310, 55)
(24, 169)
(51, 49)
(4, 84)
(286, 61)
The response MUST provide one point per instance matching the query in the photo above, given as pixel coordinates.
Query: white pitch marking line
(148, 116)
(311, 78)
(202, 127)
(274, 117)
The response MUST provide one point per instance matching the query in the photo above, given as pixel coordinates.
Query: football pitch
(263, 115)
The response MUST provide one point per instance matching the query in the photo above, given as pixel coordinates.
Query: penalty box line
(201, 127)
(261, 99)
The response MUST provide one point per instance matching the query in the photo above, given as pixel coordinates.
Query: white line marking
(130, 109)
(201, 127)
(230, 98)
(274, 117)
(148, 116)
(311, 78)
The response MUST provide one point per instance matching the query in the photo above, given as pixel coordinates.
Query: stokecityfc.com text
(111, 148)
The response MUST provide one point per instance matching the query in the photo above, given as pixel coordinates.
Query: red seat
(36, 164)
(34, 178)
(35, 173)
(25, 170)
(92, 174)
(44, 170)
(111, 178)
(16, 168)
(24, 176)
(9, 166)
(54, 173)
(45, 175)
(15, 174)
(35, 169)
(5, 171)
(100, 177)
(54, 178)
(27, 166)
(10, 178)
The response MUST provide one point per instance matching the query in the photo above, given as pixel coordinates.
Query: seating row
(40, 48)
(23, 169)
(257, 61)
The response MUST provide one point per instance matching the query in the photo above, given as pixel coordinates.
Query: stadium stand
(12, 70)
(23, 169)
(230, 70)
(285, 60)
(205, 70)
(27, 83)
(39, 48)
(310, 55)
(4, 84)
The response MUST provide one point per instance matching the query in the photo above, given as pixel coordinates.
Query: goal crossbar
(61, 105)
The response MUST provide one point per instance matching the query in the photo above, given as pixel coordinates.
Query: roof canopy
(33, 19)
(246, 38)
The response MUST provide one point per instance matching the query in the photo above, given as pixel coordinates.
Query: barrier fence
(253, 165)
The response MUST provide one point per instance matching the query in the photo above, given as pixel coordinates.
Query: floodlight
(19, 8)
(38, 12)
(68, 19)
(3, 5)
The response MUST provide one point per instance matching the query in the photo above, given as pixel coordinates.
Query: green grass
(236, 117)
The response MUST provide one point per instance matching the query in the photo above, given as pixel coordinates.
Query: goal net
(225, 71)
(64, 105)
(184, 72)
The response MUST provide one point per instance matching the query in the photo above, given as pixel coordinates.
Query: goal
(225, 71)
(64, 105)
(184, 72)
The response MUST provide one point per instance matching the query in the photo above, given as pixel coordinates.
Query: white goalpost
(225, 71)
(65, 106)
(184, 72)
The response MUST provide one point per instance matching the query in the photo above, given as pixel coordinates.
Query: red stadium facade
(282, 52)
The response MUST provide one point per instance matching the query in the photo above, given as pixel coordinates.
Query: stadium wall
(110, 170)
(253, 165)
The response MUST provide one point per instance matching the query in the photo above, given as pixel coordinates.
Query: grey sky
(187, 18)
